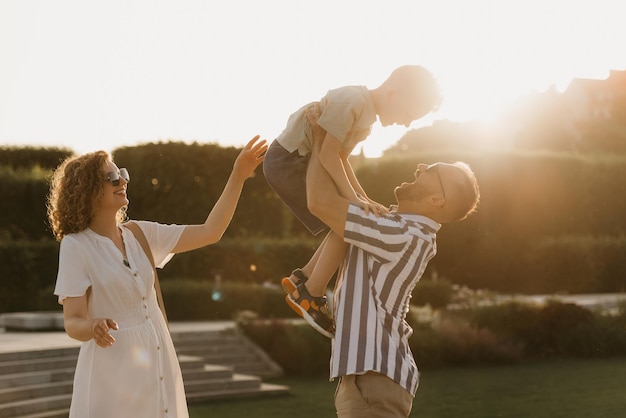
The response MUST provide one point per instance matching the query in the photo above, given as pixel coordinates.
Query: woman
(127, 366)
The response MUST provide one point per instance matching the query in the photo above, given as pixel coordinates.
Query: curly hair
(75, 190)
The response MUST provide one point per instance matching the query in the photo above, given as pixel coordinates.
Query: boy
(337, 123)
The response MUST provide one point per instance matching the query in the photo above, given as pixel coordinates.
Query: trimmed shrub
(435, 293)
(294, 345)
(29, 157)
(23, 204)
(257, 260)
(452, 340)
(189, 300)
(555, 330)
(28, 270)
(593, 264)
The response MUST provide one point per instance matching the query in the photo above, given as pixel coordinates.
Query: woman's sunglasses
(115, 176)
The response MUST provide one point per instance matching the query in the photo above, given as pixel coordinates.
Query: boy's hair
(419, 82)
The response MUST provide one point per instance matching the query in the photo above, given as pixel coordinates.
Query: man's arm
(323, 197)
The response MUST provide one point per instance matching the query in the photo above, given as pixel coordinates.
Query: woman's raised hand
(250, 157)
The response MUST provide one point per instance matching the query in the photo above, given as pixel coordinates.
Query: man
(386, 257)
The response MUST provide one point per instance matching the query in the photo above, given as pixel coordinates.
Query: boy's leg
(289, 284)
(322, 266)
(328, 258)
(308, 298)
(310, 266)
(331, 253)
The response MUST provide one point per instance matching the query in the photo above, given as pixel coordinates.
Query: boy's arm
(328, 152)
(352, 177)
(343, 175)
(330, 157)
(323, 196)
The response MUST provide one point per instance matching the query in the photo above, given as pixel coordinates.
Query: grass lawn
(572, 388)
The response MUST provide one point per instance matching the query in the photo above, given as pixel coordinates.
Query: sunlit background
(99, 75)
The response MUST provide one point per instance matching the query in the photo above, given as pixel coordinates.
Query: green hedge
(189, 300)
(179, 183)
(28, 271)
(555, 329)
(254, 260)
(587, 264)
(295, 346)
(29, 157)
(435, 293)
(576, 264)
(23, 204)
(546, 222)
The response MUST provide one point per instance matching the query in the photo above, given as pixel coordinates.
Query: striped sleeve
(382, 237)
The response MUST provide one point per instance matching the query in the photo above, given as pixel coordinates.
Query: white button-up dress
(139, 375)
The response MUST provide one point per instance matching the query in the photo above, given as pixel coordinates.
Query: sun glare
(510, 49)
(157, 77)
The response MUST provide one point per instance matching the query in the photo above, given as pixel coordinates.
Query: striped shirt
(385, 260)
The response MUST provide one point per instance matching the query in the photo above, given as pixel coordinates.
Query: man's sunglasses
(435, 168)
(115, 176)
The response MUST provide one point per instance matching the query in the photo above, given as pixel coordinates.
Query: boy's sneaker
(290, 286)
(314, 310)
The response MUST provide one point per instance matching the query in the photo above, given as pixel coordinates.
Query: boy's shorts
(285, 172)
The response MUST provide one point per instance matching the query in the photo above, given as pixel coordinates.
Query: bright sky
(91, 75)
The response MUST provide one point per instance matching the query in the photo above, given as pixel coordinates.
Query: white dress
(139, 375)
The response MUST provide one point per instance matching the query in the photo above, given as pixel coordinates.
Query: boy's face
(401, 108)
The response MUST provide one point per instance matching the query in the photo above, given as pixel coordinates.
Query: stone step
(39, 354)
(36, 377)
(234, 347)
(265, 389)
(19, 393)
(235, 350)
(59, 413)
(206, 384)
(37, 385)
(244, 365)
(33, 321)
(216, 364)
(37, 364)
(235, 382)
(190, 362)
(235, 362)
(215, 337)
(208, 370)
(209, 353)
(34, 406)
(256, 369)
